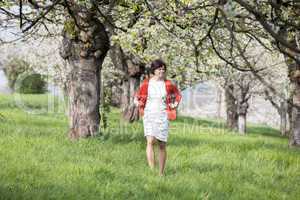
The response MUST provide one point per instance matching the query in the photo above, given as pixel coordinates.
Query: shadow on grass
(251, 130)
(83, 187)
(264, 131)
(122, 137)
(134, 133)
(237, 146)
(201, 122)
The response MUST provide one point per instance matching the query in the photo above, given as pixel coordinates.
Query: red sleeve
(140, 91)
(176, 93)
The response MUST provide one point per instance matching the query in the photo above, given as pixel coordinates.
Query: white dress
(155, 115)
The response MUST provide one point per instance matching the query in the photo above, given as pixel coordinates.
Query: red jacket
(173, 95)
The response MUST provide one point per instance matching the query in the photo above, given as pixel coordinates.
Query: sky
(11, 30)
(3, 83)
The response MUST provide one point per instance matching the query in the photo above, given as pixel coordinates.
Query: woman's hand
(174, 105)
(136, 102)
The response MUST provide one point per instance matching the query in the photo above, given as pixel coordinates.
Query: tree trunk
(118, 59)
(289, 115)
(125, 97)
(295, 129)
(134, 83)
(116, 92)
(283, 118)
(282, 110)
(219, 102)
(132, 70)
(242, 114)
(294, 104)
(231, 108)
(294, 101)
(84, 49)
(130, 65)
(130, 86)
(242, 124)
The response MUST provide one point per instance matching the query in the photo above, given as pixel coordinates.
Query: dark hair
(157, 64)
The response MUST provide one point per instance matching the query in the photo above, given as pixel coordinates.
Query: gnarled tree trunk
(132, 70)
(282, 109)
(119, 61)
(84, 47)
(295, 126)
(283, 118)
(242, 114)
(294, 77)
(231, 108)
(289, 115)
(294, 101)
(219, 102)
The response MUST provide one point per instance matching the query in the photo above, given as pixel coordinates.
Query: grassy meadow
(205, 161)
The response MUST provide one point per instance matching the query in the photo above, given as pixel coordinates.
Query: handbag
(131, 113)
(171, 114)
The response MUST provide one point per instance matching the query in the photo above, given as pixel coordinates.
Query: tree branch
(261, 19)
(41, 16)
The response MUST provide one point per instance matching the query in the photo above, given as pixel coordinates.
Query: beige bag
(131, 113)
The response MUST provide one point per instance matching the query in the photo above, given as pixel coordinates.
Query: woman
(156, 104)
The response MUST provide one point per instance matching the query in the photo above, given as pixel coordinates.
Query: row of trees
(200, 39)
(22, 79)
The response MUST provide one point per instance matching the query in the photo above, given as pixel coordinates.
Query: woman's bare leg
(150, 151)
(162, 157)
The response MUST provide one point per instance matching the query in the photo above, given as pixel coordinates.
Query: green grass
(205, 161)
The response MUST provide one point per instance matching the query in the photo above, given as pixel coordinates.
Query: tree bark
(131, 66)
(294, 80)
(242, 124)
(289, 115)
(242, 115)
(132, 71)
(283, 118)
(118, 59)
(282, 109)
(219, 102)
(84, 47)
(125, 97)
(294, 103)
(231, 108)
(295, 128)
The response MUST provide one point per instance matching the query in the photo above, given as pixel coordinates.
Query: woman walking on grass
(157, 99)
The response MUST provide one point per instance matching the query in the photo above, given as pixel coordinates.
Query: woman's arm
(177, 95)
(141, 94)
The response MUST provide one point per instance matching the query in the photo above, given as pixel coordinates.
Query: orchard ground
(205, 160)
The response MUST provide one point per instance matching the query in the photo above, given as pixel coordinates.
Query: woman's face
(160, 72)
